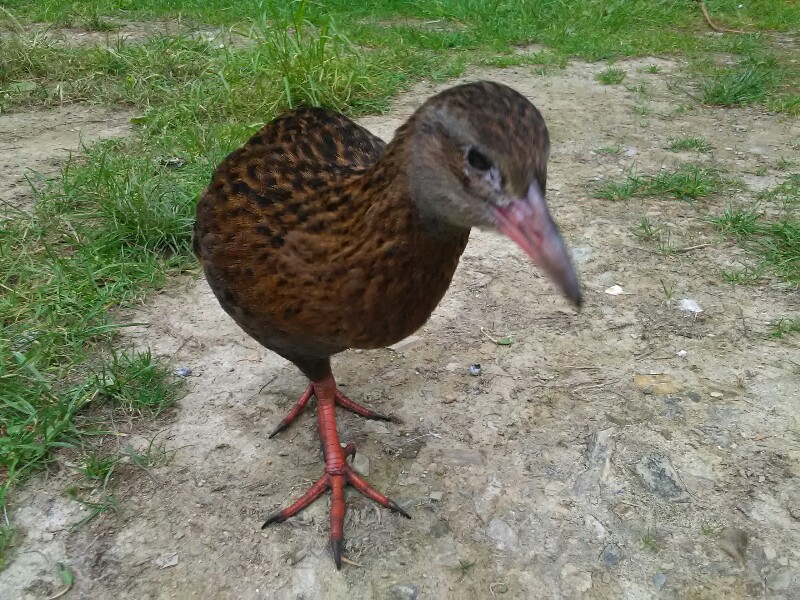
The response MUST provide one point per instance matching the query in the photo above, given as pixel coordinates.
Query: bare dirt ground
(34, 145)
(631, 451)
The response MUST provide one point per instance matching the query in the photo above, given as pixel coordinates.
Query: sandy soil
(630, 451)
(34, 145)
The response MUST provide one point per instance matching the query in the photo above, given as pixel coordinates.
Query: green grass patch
(738, 86)
(770, 231)
(102, 235)
(691, 144)
(609, 150)
(611, 75)
(785, 327)
(689, 182)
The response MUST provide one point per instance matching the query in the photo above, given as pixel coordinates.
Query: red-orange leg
(337, 472)
(340, 399)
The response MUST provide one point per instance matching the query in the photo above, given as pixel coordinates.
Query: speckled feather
(311, 242)
(305, 254)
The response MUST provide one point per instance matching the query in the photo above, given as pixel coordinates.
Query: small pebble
(499, 588)
(475, 370)
(770, 553)
(779, 580)
(659, 580)
(404, 591)
(436, 496)
(183, 372)
(360, 464)
(612, 555)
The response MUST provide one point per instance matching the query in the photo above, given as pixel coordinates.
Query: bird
(316, 236)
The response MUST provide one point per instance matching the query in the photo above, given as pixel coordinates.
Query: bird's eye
(478, 161)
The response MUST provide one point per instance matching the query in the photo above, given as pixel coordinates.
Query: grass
(659, 235)
(650, 543)
(762, 77)
(609, 150)
(688, 182)
(770, 231)
(611, 75)
(116, 224)
(691, 144)
(785, 327)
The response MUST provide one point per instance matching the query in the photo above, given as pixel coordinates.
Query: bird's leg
(337, 472)
(339, 399)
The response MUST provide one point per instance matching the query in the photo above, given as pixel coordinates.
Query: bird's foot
(337, 471)
(339, 399)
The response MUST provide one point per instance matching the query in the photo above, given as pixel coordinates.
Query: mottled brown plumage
(317, 237)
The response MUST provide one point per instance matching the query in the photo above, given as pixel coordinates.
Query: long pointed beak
(528, 223)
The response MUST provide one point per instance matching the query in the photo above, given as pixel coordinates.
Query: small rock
(475, 370)
(573, 577)
(690, 305)
(660, 385)
(409, 343)
(502, 534)
(659, 581)
(167, 560)
(440, 528)
(183, 372)
(614, 290)
(404, 591)
(693, 396)
(716, 394)
(436, 496)
(499, 588)
(595, 526)
(733, 542)
(460, 457)
(598, 462)
(631, 151)
(660, 478)
(360, 464)
(770, 553)
(779, 580)
(611, 555)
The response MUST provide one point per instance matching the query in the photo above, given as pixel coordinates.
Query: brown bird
(317, 237)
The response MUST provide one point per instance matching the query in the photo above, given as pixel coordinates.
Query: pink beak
(529, 224)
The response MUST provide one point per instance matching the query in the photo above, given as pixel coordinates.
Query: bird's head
(478, 158)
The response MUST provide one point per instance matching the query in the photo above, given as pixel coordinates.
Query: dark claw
(274, 518)
(336, 547)
(281, 426)
(393, 506)
(380, 417)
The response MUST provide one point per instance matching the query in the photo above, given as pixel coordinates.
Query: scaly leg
(339, 399)
(337, 471)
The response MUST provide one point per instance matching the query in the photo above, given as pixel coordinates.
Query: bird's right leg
(337, 472)
(340, 399)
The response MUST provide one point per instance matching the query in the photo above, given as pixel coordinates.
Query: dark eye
(478, 161)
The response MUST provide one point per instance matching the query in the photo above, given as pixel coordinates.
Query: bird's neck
(387, 183)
